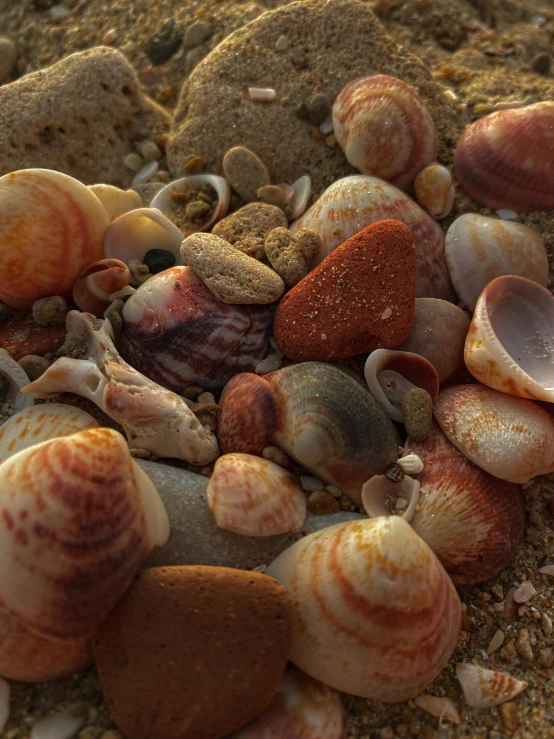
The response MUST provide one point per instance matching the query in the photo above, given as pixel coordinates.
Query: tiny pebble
(523, 645)
(401, 503)
(311, 483)
(509, 651)
(145, 174)
(497, 592)
(7, 58)
(34, 365)
(535, 518)
(58, 12)
(163, 44)
(276, 455)
(524, 592)
(109, 37)
(333, 490)
(205, 398)
(546, 624)
(508, 714)
(506, 215)
(5, 311)
(321, 503)
(150, 151)
(134, 162)
(197, 34)
(125, 292)
(158, 260)
(269, 364)
(196, 209)
(192, 392)
(546, 657)
(282, 43)
(510, 606)
(319, 109)
(496, 642)
(387, 313)
(4, 702)
(50, 311)
(417, 407)
(60, 726)
(262, 94)
(541, 64)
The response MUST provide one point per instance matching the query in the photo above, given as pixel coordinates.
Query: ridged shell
(331, 425)
(51, 227)
(255, 497)
(434, 190)
(479, 248)
(511, 438)
(473, 521)
(384, 128)
(504, 160)
(376, 615)
(352, 203)
(248, 414)
(116, 201)
(484, 688)
(438, 333)
(162, 199)
(302, 708)
(93, 287)
(176, 332)
(510, 345)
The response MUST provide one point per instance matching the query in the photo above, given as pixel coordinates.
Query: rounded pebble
(34, 366)
(8, 55)
(59, 726)
(197, 34)
(134, 162)
(158, 260)
(246, 172)
(311, 483)
(50, 311)
(321, 503)
(319, 109)
(274, 454)
(150, 151)
(282, 43)
(417, 407)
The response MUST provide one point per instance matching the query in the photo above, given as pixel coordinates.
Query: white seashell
(116, 201)
(484, 688)
(434, 190)
(411, 464)
(145, 174)
(496, 642)
(444, 708)
(162, 199)
(262, 94)
(376, 489)
(4, 703)
(60, 726)
(302, 189)
(547, 570)
(524, 592)
(18, 379)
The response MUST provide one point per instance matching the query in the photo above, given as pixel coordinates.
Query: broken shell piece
(524, 592)
(92, 291)
(116, 201)
(434, 190)
(162, 200)
(17, 377)
(376, 490)
(443, 708)
(484, 688)
(248, 414)
(302, 189)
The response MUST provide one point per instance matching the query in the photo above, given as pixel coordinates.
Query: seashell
(41, 423)
(162, 199)
(411, 464)
(375, 613)
(133, 234)
(473, 521)
(255, 497)
(510, 344)
(385, 128)
(248, 414)
(176, 332)
(154, 419)
(303, 708)
(524, 592)
(275, 194)
(116, 201)
(17, 378)
(377, 488)
(479, 248)
(5, 691)
(95, 285)
(302, 189)
(331, 425)
(352, 203)
(484, 688)
(58, 726)
(51, 227)
(438, 333)
(504, 159)
(434, 190)
(510, 438)
(390, 374)
(443, 708)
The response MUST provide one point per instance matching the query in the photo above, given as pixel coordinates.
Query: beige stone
(285, 256)
(246, 172)
(248, 227)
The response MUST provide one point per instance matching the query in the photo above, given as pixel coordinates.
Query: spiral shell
(51, 227)
(248, 414)
(504, 160)
(93, 287)
(352, 203)
(162, 199)
(434, 190)
(384, 128)
(116, 201)
(511, 438)
(376, 615)
(510, 345)
(479, 248)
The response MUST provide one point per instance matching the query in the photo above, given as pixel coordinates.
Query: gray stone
(197, 34)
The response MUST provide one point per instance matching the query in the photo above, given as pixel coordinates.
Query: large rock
(331, 42)
(80, 116)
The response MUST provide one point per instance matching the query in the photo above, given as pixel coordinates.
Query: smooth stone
(197, 34)
(158, 260)
(247, 228)
(417, 408)
(195, 538)
(246, 172)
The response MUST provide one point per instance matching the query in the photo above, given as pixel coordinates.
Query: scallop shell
(434, 190)
(17, 378)
(255, 497)
(473, 521)
(162, 199)
(51, 227)
(390, 374)
(302, 708)
(479, 248)
(93, 287)
(352, 203)
(438, 333)
(504, 160)
(248, 414)
(116, 201)
(384, 128)
(511, 438)
(484, 688)
(510, 345)
(376, 615)
(331, 425)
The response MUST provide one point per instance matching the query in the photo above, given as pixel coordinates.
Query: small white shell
(17, 378)
(411, 464)
(60, 726)
(4, 702)
(444, 708)
(484, 688)
(434, 190)
(375, 491)
(162, 199)
(302, 190)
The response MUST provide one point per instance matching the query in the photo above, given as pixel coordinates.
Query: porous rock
(286, 256)
(417, 408)
(247, 228)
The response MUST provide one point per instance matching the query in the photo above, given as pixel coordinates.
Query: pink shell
(248, 414)
(97, 282)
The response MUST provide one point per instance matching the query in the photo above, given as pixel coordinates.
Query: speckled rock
(246, 172)
(248, 227)
(50, 311)
(417, 408)
(286, 256)
(81, 116)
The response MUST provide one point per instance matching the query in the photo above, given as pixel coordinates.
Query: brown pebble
(319, 109)
(246, 172)
(302, 112)
(523, 645)
(34, 366)
(285, 256)
(497, 592)
(192, 392)
(508, 714)
(248, 228)
(50, 311)
(194, 166)
(535, 518)
(508, 651)
(309, 242)
(546, 657)
(417, 407)
(541, 64)
(321, 503)
(196, 209)
(276, 455)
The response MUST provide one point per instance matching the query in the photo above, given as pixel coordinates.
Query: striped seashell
(375, 613)
(51, 227)
(116, 201)
(484, 688)
(508, 437)
(504, 160)
(255, 497)
(352, 203)
(248, 414)
(385, 128)
(176, 332)
(93, 287)
(434, 190)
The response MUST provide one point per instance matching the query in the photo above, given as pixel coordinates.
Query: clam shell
(510, 345)
(352, 203)
(248, 414)
(434, 190)
(484, 688)
(162, 199)
(331, 425)
(473, 521)
(504, 160)
(479, 248)
(438, 333)
(384, 128)
(509, 437)
(376, 615)
(116, 201)
(255, 497)
(51, 227)
(95, 284)
(17, 377)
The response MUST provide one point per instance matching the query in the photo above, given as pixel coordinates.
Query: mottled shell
(116, 201)
(484, 688)
(511, 438)
(504, 160)
(438, 333)
(248, 414)
(434, 190)
(51, 227)
(95, 284)
(479, 248)
(331, 425)
(255, 497)
(352, 203)
(376, 615)
(385, 128)
(510, 345)
(473, 521)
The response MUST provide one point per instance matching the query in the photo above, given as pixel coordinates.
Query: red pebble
(23, 337)
(360, 298)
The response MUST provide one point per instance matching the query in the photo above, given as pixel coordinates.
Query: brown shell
(248, 414)
(97, 282)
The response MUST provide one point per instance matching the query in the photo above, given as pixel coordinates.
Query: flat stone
(246, 172)
(247, 228)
